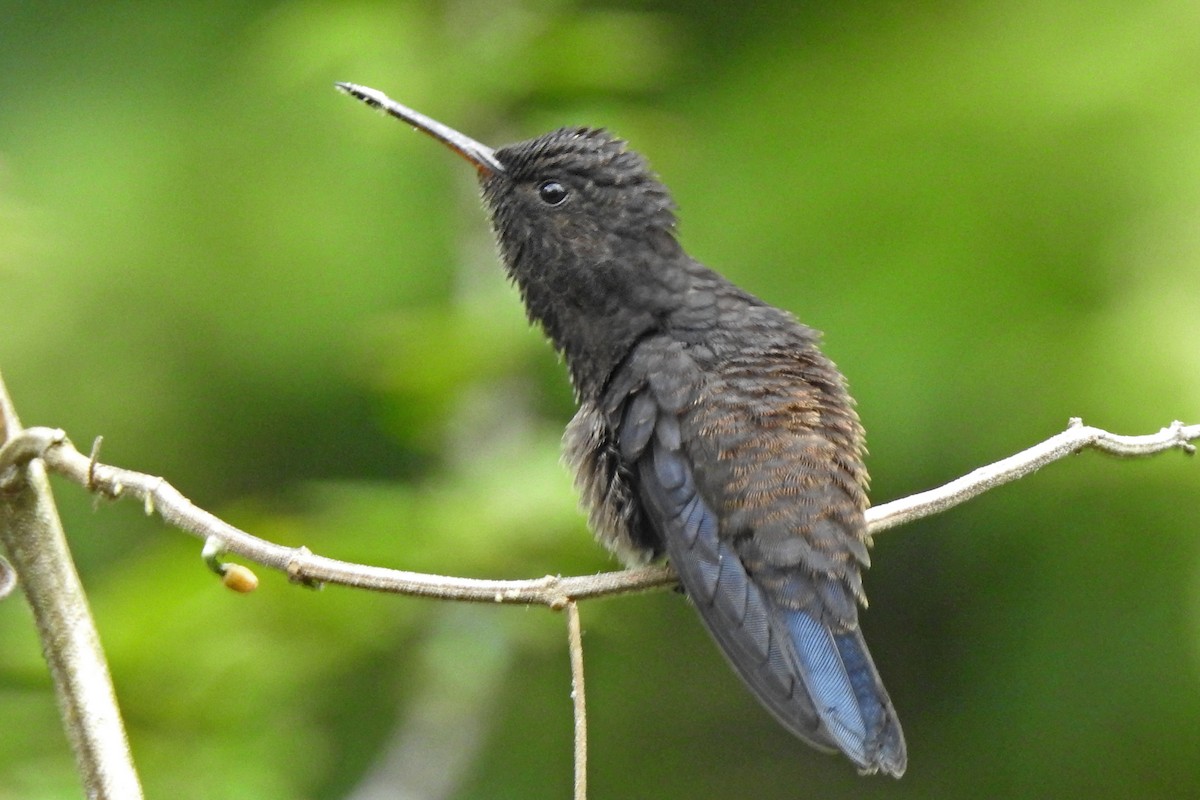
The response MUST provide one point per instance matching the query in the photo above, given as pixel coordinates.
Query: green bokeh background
(291, 308)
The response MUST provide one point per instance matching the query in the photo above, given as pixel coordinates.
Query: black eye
(552, 193)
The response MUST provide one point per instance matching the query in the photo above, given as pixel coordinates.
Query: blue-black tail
(842, 683)
(820, 682)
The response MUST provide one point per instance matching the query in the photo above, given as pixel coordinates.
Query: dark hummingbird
(711, 429)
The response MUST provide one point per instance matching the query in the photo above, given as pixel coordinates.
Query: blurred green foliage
(291, 308)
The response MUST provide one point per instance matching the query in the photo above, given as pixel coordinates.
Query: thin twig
(302, 566)
(1075, 438)
(578, 699)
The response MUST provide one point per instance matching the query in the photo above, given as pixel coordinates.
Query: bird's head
(586, 230)
(575, 200)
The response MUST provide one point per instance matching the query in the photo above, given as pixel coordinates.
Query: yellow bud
(239, 578)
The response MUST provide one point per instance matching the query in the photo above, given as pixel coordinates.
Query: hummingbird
(711, 430)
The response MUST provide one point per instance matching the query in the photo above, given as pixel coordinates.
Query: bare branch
(302, 566)
(32, 535)
(1075, 438)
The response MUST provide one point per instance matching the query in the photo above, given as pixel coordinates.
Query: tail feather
(849, 696)
(821, 684)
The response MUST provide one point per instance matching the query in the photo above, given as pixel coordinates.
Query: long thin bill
(482, 156)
